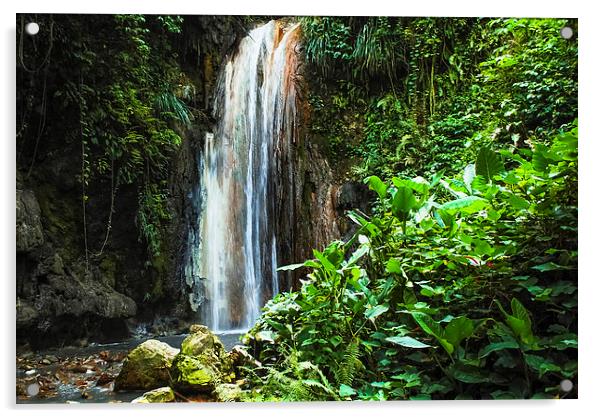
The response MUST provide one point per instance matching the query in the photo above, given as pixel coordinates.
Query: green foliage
(461, 287)
(115, 91)
(427, 91)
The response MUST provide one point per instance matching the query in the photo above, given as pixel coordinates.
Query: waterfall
(233, 266)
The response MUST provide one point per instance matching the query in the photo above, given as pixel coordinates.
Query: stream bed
(83, 374)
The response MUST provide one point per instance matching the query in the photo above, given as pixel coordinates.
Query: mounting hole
(566, 32)
(33, 389)
(32, 28)
(566, 385)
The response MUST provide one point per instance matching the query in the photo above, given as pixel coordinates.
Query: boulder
(147, 366)
(207, 347)
(202, 341)
(227, 392)
(161, 395)
(191, 374)
(240, 357)
(202, 363)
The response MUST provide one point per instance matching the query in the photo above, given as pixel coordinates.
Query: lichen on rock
(147, 366)
(160, 395)
(227, 392)
(193, 374)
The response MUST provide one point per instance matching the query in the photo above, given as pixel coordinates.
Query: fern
(350, 365)
(298, 381)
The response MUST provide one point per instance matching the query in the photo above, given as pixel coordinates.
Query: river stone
(240, 357)
(201, 341)
(161, 395)
(146, 366)
(227, 392)
(192, 374)
(207, 347)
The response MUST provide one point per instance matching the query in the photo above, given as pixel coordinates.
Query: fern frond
(350, 365)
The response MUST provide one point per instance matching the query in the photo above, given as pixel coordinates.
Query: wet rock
(193, 374)
(29, 226)
(147, 366)
(240, 357)
(207, 347)
(227, 392)
(27, 315)
(201, 341)
(104, 379)
(202, 363)
(160, 395)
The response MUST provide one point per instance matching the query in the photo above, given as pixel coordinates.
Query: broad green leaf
(482, 247)
(324, 260)
(308, 263)
(540, 364)
(346, 391)
(376, 184)
(518, 202)
(357, 254)
(519, 321)
(376, 311)
(431, 327)
(421, 397)
(403, 202)
(469, 175)
(467, 205)
(418, 184)
(488, 163)
(549, 267)
(267, 336)
(503, 345)
(335, 340)
(468, 374)
(394, 266)
(458, 330)
(407, 342)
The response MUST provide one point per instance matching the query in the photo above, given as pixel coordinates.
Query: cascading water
(233, 267)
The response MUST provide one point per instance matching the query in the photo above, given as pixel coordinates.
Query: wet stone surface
(84, 375)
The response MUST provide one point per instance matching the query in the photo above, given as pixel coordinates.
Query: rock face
(161, 395)
(29, 227)
(147, 366)
(52, 293)
(202, 363)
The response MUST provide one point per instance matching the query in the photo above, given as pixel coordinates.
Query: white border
(589, 188)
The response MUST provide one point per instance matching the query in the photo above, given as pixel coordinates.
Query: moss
(161, 395)
(109, 269)
(146, 366)
(227, 392)
(61, 220)
(191, 373)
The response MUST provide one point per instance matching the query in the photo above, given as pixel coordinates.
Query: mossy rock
(201, 341)
(161, 395)
(146, 366)
(207, 347)
(193, 374)
(227, 392)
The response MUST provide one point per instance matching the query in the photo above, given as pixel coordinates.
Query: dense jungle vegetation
(459, 283)
(462, 281)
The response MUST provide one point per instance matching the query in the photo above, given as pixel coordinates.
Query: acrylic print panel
(250, 208)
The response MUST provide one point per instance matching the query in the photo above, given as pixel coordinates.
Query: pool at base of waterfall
(85, 374)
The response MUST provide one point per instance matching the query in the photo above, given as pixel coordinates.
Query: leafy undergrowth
(455, 288)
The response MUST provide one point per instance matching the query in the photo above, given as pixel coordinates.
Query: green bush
(456, 288)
